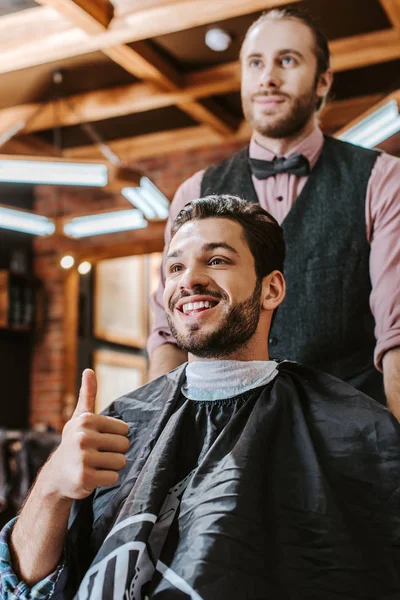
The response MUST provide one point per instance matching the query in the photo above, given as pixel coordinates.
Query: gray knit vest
(325, 320)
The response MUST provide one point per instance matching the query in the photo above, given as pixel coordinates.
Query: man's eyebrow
(174, 254)
(215, 245)
(290, 51)
(254, 55)
(279, 53)
(205, 248)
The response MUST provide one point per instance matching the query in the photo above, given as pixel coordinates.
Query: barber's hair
(322, 52)
(261, 232)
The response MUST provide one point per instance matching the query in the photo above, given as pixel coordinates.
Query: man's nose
(270, 76)
(193, 277)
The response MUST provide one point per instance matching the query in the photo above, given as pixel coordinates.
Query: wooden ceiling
(139, 70)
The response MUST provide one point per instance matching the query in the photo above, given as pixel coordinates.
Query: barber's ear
(273, 290)
(324, 83)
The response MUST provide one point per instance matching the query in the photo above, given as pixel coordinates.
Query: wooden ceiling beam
(365, 49)
(90, 15)
(392, 9)
(61, 42)
(29, 145)
(147, 64)
(121, 101)
(347, 53)
(336, 114)
(30, 25)
(154, 144)
(143, 62)
(138, 97)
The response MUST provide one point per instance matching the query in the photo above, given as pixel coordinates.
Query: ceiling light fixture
(85, 267)
(110, 222)
(375, 128)
(218, 39)
(22, 170)
(148, 199)
(25, 222)
(67, 261)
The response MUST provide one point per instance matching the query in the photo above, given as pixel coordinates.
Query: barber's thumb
(87, 393)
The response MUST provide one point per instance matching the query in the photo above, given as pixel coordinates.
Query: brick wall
(167, 172)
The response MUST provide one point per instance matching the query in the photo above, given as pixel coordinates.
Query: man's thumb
(87, 393)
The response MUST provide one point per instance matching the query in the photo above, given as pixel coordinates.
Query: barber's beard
(287, 124)
(233, 332)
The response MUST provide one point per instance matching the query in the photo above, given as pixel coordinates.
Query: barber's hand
(92, 449)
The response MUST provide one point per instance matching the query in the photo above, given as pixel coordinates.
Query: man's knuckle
(121, 462)
(82, 439)
(125, 444)
(85, 419)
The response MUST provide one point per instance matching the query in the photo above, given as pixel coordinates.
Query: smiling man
(339, 207)
(243, 479)
(224, 313)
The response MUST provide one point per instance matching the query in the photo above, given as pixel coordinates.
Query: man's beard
(235, 329)
(283, 126)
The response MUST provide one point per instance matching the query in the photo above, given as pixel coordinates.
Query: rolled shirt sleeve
(161, 334)
(383, 232)
(11, 587)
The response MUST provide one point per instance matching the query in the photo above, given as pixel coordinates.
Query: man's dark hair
(322, 51)
(261, 231)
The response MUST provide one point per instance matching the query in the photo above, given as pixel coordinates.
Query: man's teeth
(190, 306)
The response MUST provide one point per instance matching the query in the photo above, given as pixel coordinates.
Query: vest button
(272, 341)
(280, 198)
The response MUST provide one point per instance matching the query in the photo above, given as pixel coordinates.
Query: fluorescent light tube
(157, 200)
(152, 199)
(112, 222)
(133, 195)
(374, 129)
(57, 173)
(148, 198)
(19, 220)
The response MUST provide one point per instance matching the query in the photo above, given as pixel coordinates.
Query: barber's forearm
(391, 375)
(164, 358)
(38, 536)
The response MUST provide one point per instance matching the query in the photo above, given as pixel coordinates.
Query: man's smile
(196, 305)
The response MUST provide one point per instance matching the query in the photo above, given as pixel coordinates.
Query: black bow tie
(296, 165)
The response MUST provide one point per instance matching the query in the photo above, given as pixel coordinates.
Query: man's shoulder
(317, 386)
(348, 148)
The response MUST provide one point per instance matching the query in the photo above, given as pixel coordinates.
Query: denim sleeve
(11, 587)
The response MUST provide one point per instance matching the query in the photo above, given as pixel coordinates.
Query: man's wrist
(48, 490)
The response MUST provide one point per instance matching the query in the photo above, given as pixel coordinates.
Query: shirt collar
(310, 146)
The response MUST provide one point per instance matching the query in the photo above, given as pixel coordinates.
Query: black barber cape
(290, 491)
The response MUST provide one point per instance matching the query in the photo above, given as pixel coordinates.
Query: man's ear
(324, 83)
(273, 290)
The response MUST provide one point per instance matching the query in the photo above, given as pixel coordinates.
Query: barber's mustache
(269, 95)
(198, 291)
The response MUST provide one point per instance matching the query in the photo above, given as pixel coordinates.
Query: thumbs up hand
(92, 449)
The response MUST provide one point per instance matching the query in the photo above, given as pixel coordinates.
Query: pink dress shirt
(278, 194)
